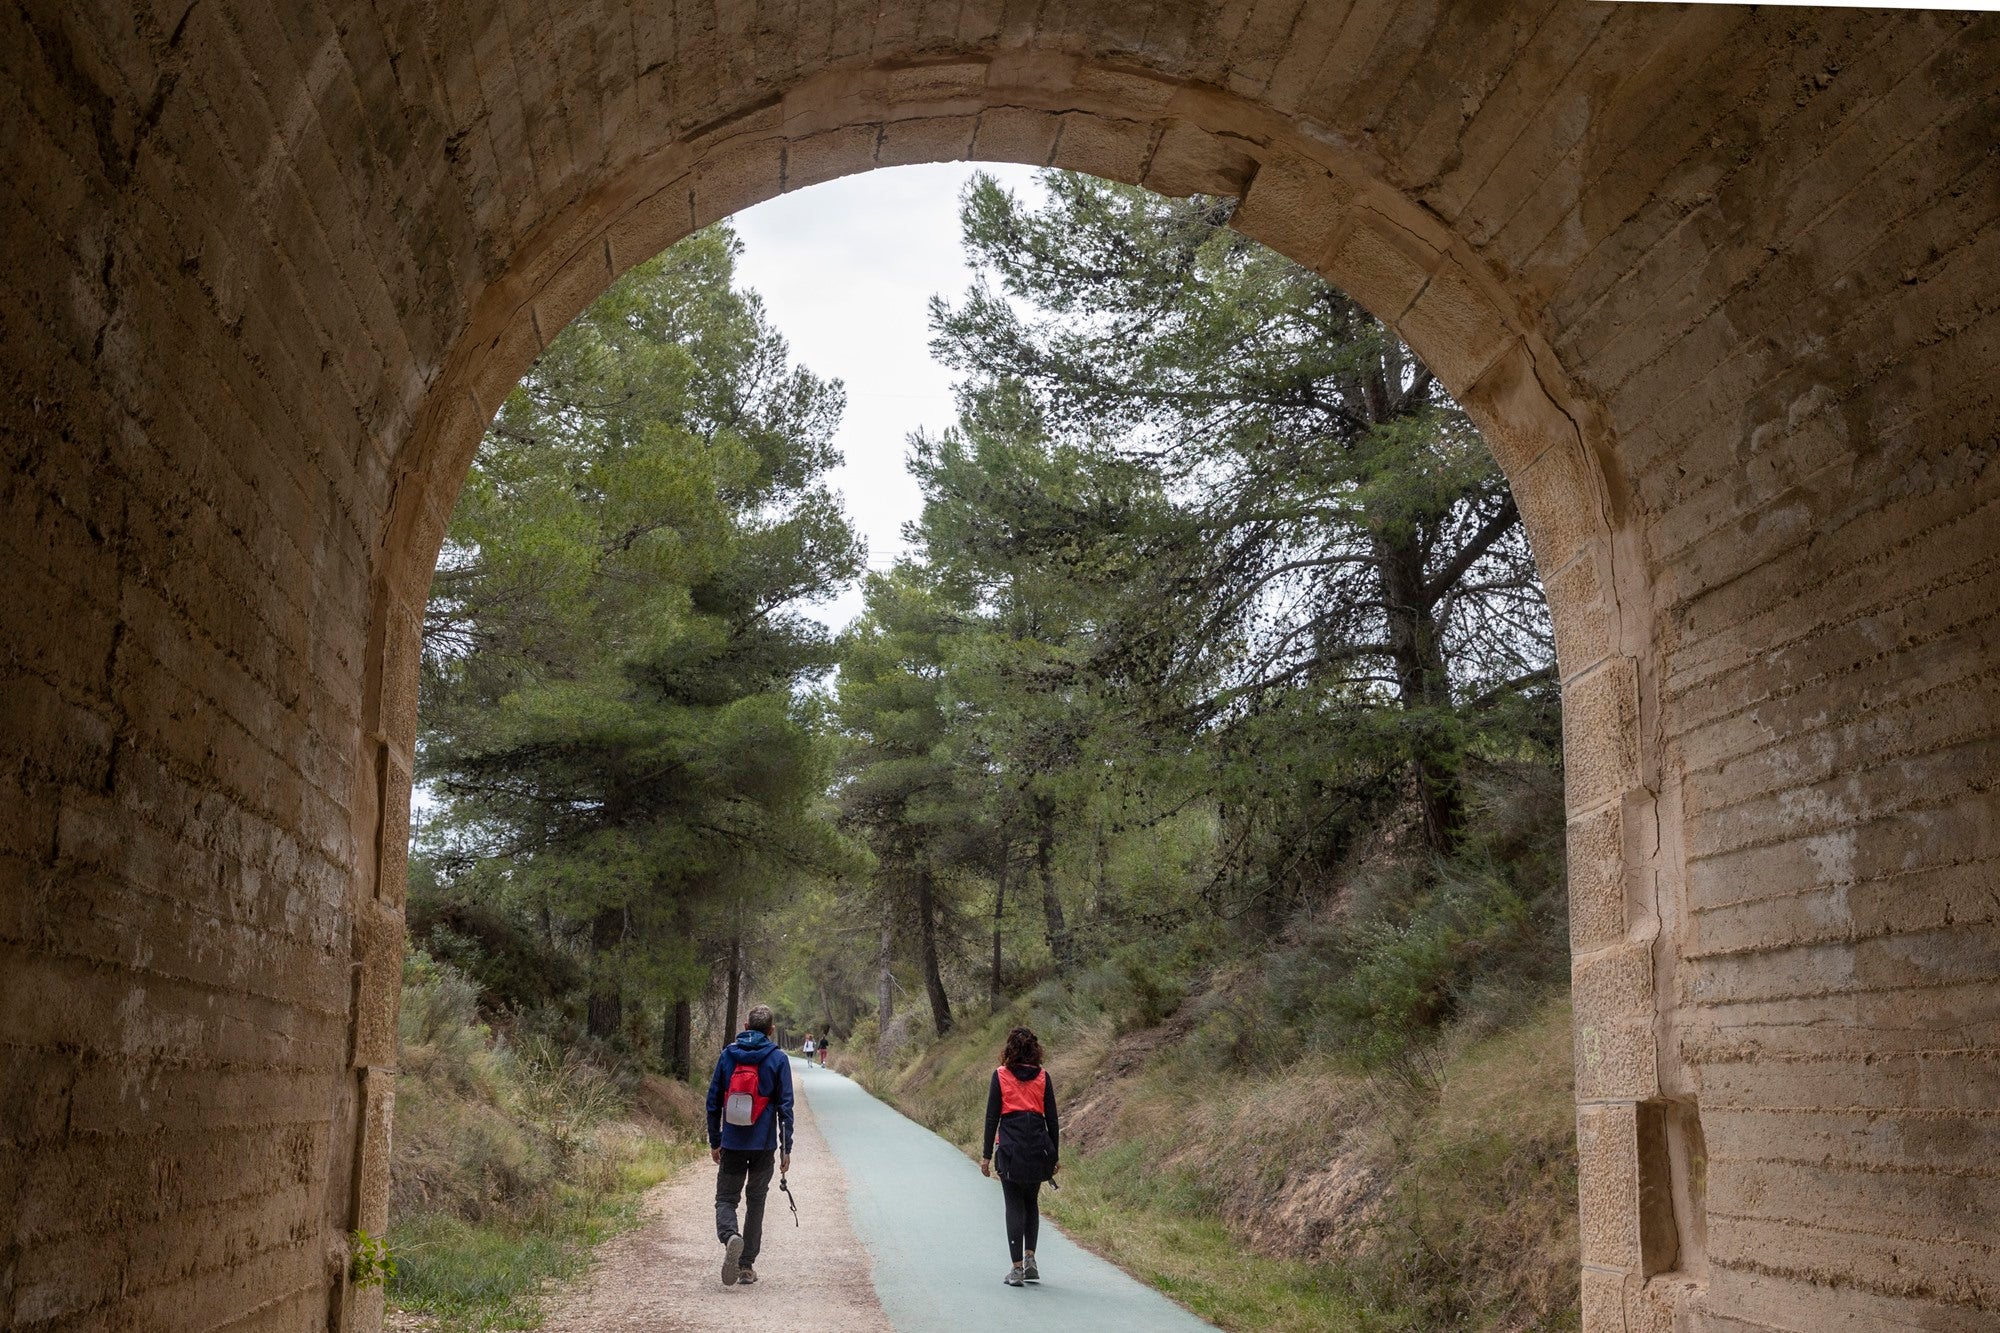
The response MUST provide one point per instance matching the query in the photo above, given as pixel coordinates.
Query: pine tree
(1332, 524)
(612, 716)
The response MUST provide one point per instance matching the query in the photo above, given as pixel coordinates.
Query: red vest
(1018, 1096)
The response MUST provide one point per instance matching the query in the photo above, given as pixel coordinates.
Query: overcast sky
(845, 270)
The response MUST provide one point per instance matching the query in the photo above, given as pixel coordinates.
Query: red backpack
(745, 1102)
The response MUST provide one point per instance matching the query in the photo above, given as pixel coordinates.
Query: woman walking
(1021, 1113)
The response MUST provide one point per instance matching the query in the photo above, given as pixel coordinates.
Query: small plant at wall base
(372, 1265)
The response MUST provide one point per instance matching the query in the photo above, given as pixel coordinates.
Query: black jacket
(1025, 1073)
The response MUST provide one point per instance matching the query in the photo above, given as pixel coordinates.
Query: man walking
(749, 1123)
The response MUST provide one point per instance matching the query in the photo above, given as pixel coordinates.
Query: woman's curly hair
(1023, 1048)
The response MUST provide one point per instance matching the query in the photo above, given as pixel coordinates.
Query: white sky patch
(846, 270)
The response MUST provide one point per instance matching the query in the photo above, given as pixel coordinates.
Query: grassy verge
(1383, 1206)
(1433, 1193)
(513, 1160)
(493, 1274)
(1163, 1229)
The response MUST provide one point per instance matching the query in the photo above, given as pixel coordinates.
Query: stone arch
(1721, 284)
(1329, 210)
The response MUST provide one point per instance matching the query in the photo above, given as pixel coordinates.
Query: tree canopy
(1209, 561)
(1212, 585)
(615, 726)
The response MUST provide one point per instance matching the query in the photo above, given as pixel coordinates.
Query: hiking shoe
(1032, 1273)
(746, 1276)
(732, 1259)
(1013, 1278)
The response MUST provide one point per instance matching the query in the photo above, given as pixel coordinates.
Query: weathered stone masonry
(1721, 285)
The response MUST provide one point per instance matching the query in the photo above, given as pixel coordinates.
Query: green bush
(1412, 947)
(460, 921)
(438, 1027)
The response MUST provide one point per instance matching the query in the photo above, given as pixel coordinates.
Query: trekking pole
(789, 1199)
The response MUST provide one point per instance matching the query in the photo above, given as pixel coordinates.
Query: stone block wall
(1720, 284)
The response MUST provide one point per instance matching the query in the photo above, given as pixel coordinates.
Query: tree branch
(1496, 527)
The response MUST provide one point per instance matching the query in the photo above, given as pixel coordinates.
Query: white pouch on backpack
(740, 1106)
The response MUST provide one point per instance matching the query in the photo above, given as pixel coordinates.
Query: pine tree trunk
(1423, 685)
(677, 1042)
(606, 1008)
(1423, 688)
(1052, 910)
(1441, 796)
(885, 988)
(729, 1027)
(927, 944)
(999, 911)
(1440, 790)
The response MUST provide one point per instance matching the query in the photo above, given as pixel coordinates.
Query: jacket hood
(1026, 1073)
(750, 1039)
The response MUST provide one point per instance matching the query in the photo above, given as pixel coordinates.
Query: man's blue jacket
(774, 1080)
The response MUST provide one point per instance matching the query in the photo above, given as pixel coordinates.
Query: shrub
(559, 1094)
(438, 1028)
(511, 1160)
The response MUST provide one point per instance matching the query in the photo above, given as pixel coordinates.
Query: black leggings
(1024, 1216)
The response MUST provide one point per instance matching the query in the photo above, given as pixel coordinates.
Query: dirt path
(664, 1275)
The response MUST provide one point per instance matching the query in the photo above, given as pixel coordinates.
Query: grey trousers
(739, 1169)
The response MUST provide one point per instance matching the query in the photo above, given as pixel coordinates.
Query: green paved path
(936, 1232)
